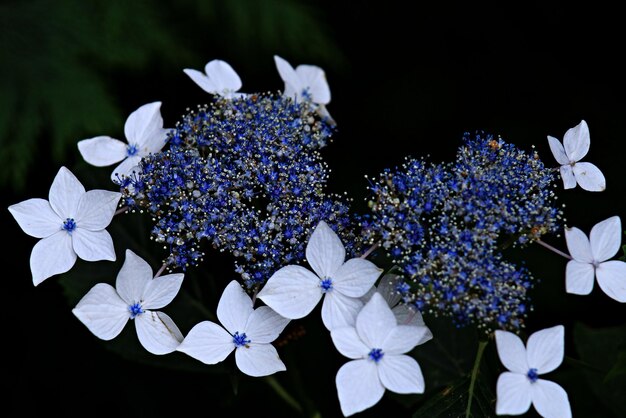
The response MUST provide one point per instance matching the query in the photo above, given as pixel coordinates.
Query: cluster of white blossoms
(367, 323)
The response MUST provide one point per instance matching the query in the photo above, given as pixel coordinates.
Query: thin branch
(551, 248)
(161, 270)
(370, 250)
(121, 210)
(479, 355)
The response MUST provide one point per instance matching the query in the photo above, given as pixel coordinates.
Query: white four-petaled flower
(218, 78)
(293, 291)
(590, 257)
(575, 146)
(71, 223)
(521, 386)
(377, 346)
(306, 82)
(105, 309)
(145, 135)
(248, 331)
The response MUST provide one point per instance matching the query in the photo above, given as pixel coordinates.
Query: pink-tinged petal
(102, 311)
(355, 277)
(576, 141)
(612, 279)
(314, 78)
(605, 238)
(36, 217)
(513, 393)
(96, 209)
(157, 332)
(512, 352)
(589, 177)
(348, 343)
(403, 338)
(93, 245)
(207, 342)
(143, 123)
(126, 168)
(289, 76)
(258, 360)
(234, 308)
(578, 245)
(264, 325)
(224, 78)
(339, 310)
(102, 151)
(65, 193)
(375, 322)
(558, 151)
(325, 252)
(52, 255)
(160, 291)
(133, 278)
(401, 374)
(292, 291)
(358, 386)
(567, 175)
(579, 277)
(550, 400)
(545, 349)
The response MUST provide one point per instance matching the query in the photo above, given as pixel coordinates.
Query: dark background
(403, 83)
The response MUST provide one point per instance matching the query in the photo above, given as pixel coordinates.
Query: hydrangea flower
(248, 331)
(70, 224)
(218, 78)
(305, 83)
(293, 291)
(575, 146)
(145, 135)
(521, 385)
(377, 347)
(105, 309)
(590, 257)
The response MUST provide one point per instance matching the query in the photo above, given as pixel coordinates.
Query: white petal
(258, 360)
(375, 321)
(264, 325)
(234, 308)
(558, 151)
(388, 289)
(52, 255)
(358, 386)
(605, 238)
(511, 351)
(579, 277)
(160, 291)
(402, 339)
(154, 142)
(201, 80)
(207, 342)
(93, 245)
(292, 291)
(348, 343)
(408, 315)
(314, 79)
(126, 168)
(589, 177)
(157, 332)
(339, 310)
(550, 400)
(96, 209)
(133, 278)
(102, 311)
(401, 374)
(143, 123)
(567, 174)
(102, 151)
(36, 217)
(513, 394)
(65, 193)
(576, 141)
(325, 252)
(545, 349)
(612, 279)
(289, 76)
(578, 245)
(355, 277)
(223, 76)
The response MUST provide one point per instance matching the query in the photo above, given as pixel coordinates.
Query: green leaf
(451, 402)
(619, 368)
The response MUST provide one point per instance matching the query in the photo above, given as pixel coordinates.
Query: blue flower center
(135, 309)
(376, 354)
(306, 95)
(532, 375)
(131, 150)
(326, 285)
(241, 340)
(69, 225)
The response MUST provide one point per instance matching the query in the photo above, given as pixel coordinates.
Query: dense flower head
(246, 175)
(447, 224)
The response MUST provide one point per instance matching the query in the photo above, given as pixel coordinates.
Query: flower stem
(551, 248)
(370, 250)
(282, 392)
(479, 355)
(161, 270)
(121, 210)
